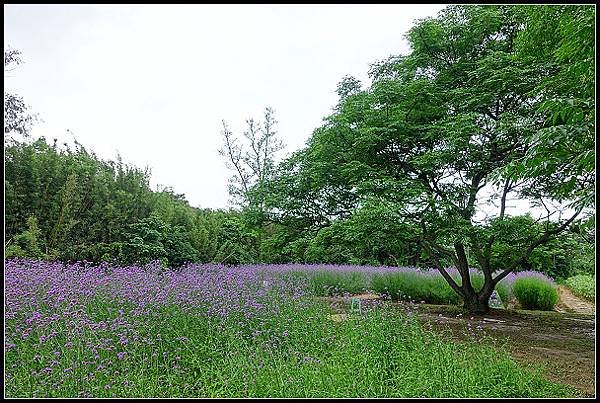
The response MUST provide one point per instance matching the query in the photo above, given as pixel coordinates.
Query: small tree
(152, 238)
(252, 162)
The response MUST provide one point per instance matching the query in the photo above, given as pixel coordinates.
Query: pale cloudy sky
(153, 82)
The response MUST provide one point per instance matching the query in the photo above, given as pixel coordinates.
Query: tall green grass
(296, 351)
(328, 282)
(583, 286)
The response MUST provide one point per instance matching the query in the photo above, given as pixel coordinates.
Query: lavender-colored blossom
(48, 302)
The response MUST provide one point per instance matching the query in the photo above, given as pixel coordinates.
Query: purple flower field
(81, 330)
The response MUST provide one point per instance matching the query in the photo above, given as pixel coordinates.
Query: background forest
(498, 96)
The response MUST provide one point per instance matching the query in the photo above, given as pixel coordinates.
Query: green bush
(583, 286)
(28, 243)
(324, 282)
(154, 239)
(415, 286)
(535, 293)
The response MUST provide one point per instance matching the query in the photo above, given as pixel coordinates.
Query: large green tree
(448, 134)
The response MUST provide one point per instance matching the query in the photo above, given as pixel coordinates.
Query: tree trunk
(478, 302)
(476, 305)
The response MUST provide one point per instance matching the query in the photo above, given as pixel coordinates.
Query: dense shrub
(413, 285)
(27, 243)
(535, 292)
(583, 286)
(325, 282)
(372, 235)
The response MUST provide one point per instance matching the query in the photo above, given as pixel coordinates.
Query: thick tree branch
(507, 188)
(463, 268)
(543, 239)
(428, 243)
(442, 271)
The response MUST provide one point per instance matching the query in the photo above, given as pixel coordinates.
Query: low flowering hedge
(415, 285)
(534, 290)
(422, 285)
(396, 283)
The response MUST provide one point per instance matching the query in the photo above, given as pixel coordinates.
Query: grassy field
(583, 286)
(211, 331)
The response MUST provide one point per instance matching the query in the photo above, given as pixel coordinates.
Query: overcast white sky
(153, 82)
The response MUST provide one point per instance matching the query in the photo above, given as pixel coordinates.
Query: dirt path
(563, 343)
(568, 302)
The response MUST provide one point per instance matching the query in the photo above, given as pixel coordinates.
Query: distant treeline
(67, 204)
